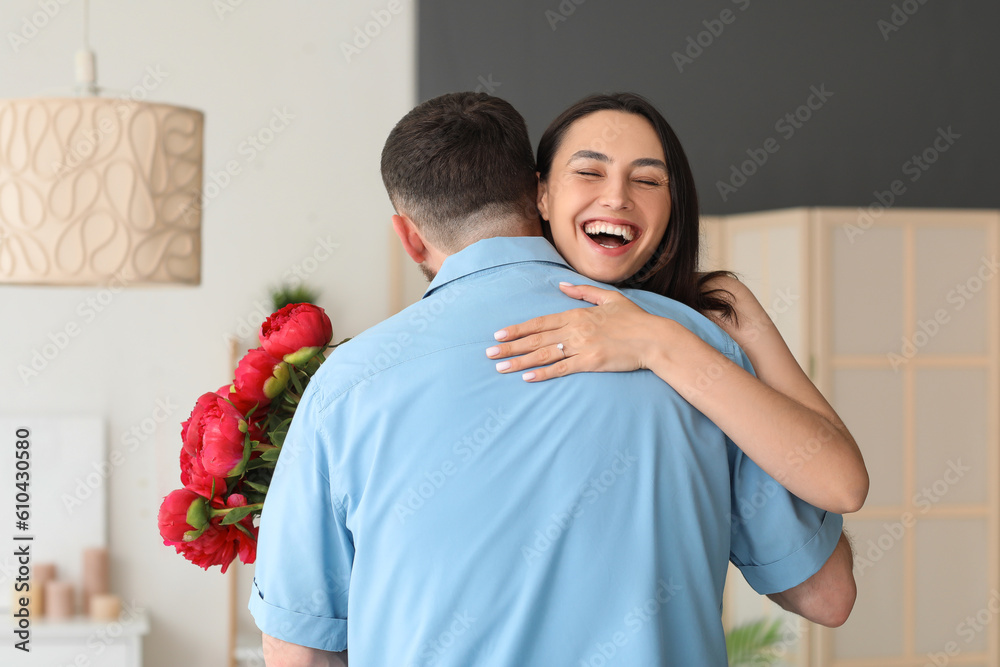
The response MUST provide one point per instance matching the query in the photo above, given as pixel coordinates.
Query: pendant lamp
(95, 190)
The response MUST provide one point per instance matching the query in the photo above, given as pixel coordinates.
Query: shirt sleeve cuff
(319, 632)
(798, 566)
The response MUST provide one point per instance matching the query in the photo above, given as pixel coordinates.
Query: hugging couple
(559, 466)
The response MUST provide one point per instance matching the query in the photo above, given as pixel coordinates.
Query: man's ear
(412, 240)
(543, 197)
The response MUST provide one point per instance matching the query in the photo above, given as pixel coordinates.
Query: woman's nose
(616, 195)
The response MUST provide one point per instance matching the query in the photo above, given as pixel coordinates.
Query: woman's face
(606, 198)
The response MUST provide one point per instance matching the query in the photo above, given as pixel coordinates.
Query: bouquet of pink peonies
(233, 437)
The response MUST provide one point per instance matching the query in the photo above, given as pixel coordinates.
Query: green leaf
(244, 530)
(241, 467)
(255, 486)
(279, 432)
(753, 644)
(296, 381)
(238, 513)
(255, 498)
(271, 454)
(286, 294)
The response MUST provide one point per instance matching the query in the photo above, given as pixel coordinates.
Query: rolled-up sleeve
(304, 551)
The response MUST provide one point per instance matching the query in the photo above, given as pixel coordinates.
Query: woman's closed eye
(647, 178)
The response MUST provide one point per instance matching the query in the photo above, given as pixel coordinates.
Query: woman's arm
(799, 441)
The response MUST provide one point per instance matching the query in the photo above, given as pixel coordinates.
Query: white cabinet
(80, 642)
(894, 314)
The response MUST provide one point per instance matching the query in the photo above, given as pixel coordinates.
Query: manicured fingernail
(530, 375)
(566, 284)
(500, 335)
(492, 351)
(503, 365)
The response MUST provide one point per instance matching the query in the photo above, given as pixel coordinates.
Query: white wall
(319, 177)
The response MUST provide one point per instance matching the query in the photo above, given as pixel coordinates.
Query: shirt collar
(491, 253)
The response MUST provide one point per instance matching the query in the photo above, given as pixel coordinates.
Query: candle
(29, 598)
(105, 607)
(95, 574)
(43, 573)
(59, 602)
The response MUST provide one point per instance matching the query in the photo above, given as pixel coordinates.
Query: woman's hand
(614, 335)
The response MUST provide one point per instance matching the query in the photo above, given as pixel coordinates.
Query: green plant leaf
(255, 486)
(238, 513)
(270, 454)
(286, 294)
(244, 530)
(753, 644)
(279, 432)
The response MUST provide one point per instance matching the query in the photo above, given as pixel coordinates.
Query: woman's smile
(607, 198)
(611, 234)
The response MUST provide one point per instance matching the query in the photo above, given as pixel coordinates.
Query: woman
(617, 199)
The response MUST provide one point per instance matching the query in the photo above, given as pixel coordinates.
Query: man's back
(458, 516)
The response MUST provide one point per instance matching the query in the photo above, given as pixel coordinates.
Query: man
(427, 510)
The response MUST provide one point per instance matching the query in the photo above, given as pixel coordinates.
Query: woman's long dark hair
(673, 269)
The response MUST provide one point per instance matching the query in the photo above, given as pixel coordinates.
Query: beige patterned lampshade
(98, 189)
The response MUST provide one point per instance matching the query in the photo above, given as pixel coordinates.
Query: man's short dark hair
(456, 157)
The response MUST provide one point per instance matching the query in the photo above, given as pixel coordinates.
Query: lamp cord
(86, 25)
(86, 61)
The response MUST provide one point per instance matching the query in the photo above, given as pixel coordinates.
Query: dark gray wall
(895, 88)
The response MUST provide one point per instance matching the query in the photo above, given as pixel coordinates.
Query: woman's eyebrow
(649, 162)
(589, 155)
(601, 157)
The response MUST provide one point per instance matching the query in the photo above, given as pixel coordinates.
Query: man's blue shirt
(428, 510)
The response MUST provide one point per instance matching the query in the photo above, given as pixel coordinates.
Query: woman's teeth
(609, 235)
